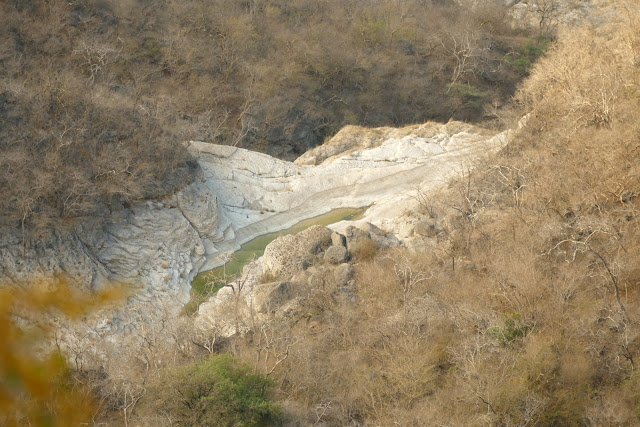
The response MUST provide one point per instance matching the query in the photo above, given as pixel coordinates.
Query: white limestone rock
(159, 246)
(59, 254)
(258, 194)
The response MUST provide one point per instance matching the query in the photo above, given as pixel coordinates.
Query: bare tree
(465, 51)
(273, 345)
(408, 277)
(548, 13)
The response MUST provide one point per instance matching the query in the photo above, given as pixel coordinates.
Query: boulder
(287, 255)
(354, 235)
(426, 229)
(406, 231)
(335, 255)
(320, 277)
(291, 308)
(301, 277)
(338, 239)
(366, 236)
(343, 274)
(379, 236)
(356, 240)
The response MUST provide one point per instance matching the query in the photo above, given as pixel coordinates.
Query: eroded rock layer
(159, 246)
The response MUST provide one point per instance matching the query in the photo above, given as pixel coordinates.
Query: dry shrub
(365, 250)
(574, 92)
(525, 312)
(375, 287)
(553, 218)
(536, 321)
(268, 277)
(529, 313)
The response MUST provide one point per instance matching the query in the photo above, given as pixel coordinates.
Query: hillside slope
(97, 96)
(512, 300)
(522, 306)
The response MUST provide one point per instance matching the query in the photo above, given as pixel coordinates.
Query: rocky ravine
(159, 246)
(382, 167)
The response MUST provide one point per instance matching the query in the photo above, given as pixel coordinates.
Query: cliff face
(159, 246)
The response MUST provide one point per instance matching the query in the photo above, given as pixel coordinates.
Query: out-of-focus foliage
(36, 385)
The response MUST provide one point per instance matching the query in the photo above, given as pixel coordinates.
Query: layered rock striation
(160, 245)
(359, 167)
(156, 248)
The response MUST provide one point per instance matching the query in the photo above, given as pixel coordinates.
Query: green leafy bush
(512, 329)
(469, 94)
(528, 53)
(218, 391)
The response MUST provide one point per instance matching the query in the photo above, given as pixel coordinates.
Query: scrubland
(524, 311)
(97, 97)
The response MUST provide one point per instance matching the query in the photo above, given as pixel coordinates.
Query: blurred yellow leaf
(37, 388)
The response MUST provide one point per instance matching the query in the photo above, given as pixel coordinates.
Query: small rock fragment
(342, 274)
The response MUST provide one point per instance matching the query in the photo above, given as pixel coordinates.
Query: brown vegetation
(536, 322)
(525, 312)
(96, 96)
(75, 139)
